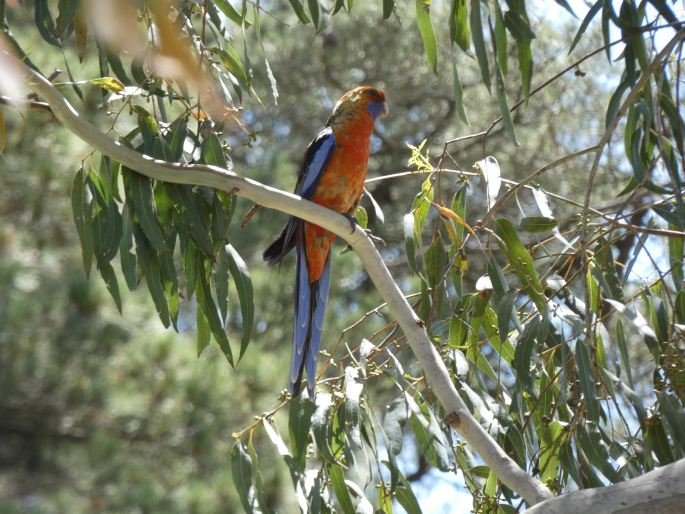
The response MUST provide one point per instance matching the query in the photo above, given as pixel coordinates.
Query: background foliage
(570, 352)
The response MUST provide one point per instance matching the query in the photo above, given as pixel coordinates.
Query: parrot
(332, 174)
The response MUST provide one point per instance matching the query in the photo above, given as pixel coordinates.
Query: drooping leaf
(241, 470)
(520, 261)
(243, 284)
(587, 381)
(81, 213)
(460, 32)
(586, 21)
(320, 427)
(231, 13)
(299, 11)
(314, 10)
(388, 8)
(342, 493)
(479, 42)
(141, 195)
(299, 423)
(459, 93)
(209, 309)
(110, 278)
(423, 20)
(212, 153)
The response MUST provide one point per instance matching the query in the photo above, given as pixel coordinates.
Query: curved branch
(508, 472)
(661, 490)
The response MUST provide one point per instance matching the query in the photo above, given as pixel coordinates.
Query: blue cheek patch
(376, 109)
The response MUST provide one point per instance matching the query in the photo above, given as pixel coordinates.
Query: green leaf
(314, 9)
(518, 25)
(111, 84)
(258, 480)
(586, 21)
(212, 153)
(503, 107)
(105, 223)
(500, 38)
(243, 284)
(299, 422)
(194, 214)
(362, 217)
(388, 8)
(538, 224)
(521, 262)
(410, 242)
(435, 261)
(45, 23)
(430, 45)
(430, 438)
(149, 265)
(82, 218)
(623, 349)
(231, 13)
(176, 137)
(299, 11)
(353, 389)
(203, 332)
(460, 32)
(674, 414)
(209, 309)
(553, 437)
(127, 257)
(420, 208)
(141, 195)
(337, 477)
(566, 6)
(320, 427)
(459, 93)
(490, 488)
(589, 439)
(657, 441)
(221, 283)
(459, 326)
(505, 309)
(110, 279)
(231, 61)
(395, 418)
(587, 381)
(479, 42)
(525, 56)
(241, 470)
(67, 10)
(405, 497)
(524, 352)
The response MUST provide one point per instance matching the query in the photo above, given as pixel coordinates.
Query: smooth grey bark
(661, 491)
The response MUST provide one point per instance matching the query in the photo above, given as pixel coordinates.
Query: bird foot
(352, 220)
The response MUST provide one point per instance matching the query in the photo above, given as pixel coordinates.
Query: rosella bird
(332, 174)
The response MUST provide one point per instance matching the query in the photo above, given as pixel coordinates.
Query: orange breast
(340, 186)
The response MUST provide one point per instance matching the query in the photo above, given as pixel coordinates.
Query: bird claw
(375, 239)
(352, 220)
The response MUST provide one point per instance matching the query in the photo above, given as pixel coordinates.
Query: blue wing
(310, 308)
(316, 158)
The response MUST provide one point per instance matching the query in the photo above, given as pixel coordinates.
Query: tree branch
(659, 491)
(508, 472)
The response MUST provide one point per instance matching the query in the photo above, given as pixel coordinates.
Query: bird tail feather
(310, 308)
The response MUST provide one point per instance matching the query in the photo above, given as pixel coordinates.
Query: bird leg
(353, 224)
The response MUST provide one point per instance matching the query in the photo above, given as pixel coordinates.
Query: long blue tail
(310, 307)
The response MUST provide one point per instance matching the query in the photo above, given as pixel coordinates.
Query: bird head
(363, 100)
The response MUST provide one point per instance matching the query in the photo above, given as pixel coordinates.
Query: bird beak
(386, 110)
